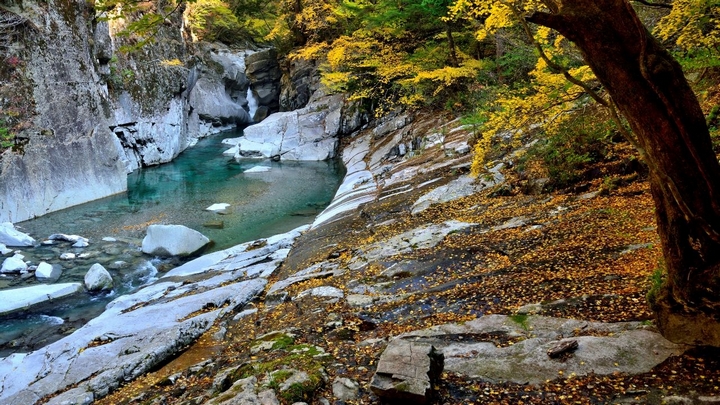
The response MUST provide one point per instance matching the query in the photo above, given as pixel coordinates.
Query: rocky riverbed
(417, 284)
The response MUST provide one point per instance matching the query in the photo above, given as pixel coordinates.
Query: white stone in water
(67, 256)
(9, 236)
(258, 169)
(67, 238)
(97, 278)
(81, 243)
(172, 240)
(109, 239)
(4, 250)
(47, 242)
(14, 264)
(217, 207)
(47, 271)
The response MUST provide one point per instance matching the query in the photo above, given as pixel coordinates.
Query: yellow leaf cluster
(544, 107)
(692, 24)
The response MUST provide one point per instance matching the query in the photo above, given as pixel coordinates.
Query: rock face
(264, 73)
(68, 144)
(406, 372)
(299, 81)
(97, 278)
(92, 114)
(173, 240)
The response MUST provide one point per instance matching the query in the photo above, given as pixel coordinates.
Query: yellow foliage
(545, 107)
(692, 24)
(171, 62)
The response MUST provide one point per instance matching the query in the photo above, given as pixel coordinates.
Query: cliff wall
(83, 115)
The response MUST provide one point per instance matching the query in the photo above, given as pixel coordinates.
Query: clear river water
(261, 204)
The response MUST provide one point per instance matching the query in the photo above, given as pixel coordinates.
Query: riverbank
(488, 275)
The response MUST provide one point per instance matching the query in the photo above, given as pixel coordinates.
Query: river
(261, 204)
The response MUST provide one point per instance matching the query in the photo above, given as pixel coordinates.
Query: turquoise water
(261, 205)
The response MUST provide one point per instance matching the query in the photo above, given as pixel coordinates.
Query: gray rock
(677, 400)
(604, 348)
(461, 187)
(358, 186)
(135, 339)
(173, 240)
(345, 389)
(307, 134)
(47, 271)
(97, 278)
(9, 236)
(323, 291)
(13, 264)
(407, 371)
(23, 298)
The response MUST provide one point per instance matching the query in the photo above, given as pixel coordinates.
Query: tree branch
(651, 4)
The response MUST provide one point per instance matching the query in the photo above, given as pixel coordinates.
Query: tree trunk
(650, 90)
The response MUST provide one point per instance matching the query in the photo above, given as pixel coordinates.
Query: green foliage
(520, 319)
(212, 20)
(656, 280)
(6, 137)
(566, 152)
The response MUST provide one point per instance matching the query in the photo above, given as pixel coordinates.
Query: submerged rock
(173, 240)
(9, 236)
(97, 278)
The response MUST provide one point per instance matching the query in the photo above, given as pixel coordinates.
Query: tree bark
(650, 90)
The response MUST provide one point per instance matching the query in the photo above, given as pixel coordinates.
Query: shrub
(567, 151)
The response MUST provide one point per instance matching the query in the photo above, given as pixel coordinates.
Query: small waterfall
(252, 103)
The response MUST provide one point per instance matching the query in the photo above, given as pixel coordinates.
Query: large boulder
(306, 134)
(173, 240)
(9, 236)
(407, 372)
(97, 278)
(14, 264)
(46, 271)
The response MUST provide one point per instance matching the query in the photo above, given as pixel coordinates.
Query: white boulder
(97, 278)
(172, 240)
(67, 238)
(9, 236)
(67, 256)
(22, 298)
(4, 250)
(46, 271)
(14, 264)
(217, 207)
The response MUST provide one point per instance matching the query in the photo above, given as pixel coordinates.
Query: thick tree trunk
(650, 90)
